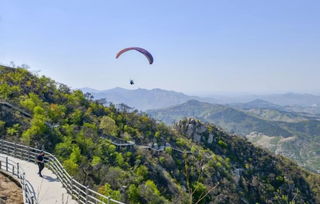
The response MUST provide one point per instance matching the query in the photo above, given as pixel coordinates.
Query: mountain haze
(292, 99)
(284, 99)
(257, 103)
(143, 99)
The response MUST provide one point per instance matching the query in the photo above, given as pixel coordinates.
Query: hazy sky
(202, 46)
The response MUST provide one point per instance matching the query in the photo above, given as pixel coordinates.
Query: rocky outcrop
(193, 129)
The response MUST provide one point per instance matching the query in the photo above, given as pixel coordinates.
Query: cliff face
(194, 129)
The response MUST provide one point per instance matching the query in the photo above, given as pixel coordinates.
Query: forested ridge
(215, 167)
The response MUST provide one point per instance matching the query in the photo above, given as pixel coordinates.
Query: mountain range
(294, 135)
(144, 99)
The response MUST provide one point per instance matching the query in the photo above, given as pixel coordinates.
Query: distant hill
(290, 134)
(313, 110)
(280, 116)
(143, 99)
(272, 112)
(228, 118)
(286, 99)
(257, 103)
(291, 99)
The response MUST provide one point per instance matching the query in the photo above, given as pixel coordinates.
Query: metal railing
(14, 169)
(82, 194)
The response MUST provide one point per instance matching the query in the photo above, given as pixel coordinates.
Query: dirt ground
(10, 192)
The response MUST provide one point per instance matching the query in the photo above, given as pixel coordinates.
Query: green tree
(108, 126)
(108, 191)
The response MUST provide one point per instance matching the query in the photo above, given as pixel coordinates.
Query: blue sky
(200, 47)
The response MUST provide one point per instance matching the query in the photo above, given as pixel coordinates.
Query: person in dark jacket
(40, 162)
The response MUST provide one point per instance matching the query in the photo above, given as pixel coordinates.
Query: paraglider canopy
(139, 49)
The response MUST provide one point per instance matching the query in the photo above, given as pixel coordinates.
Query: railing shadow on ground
(50, 179)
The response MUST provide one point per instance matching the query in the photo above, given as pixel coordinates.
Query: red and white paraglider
(139, 49)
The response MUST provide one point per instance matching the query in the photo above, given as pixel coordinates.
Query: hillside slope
(271, 112)
(230, 119)
(292, 135)
(190, 163)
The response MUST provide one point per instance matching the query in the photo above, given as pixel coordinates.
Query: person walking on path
(40, 162)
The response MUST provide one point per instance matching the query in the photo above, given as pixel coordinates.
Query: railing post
(18, 171)
(7, 164)
(87, 197)
(23, 181)
(72, 183)
(15, 149)
(78, 198)
(78, 194)
(29, 153)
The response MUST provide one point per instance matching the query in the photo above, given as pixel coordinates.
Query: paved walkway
(48, 189)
